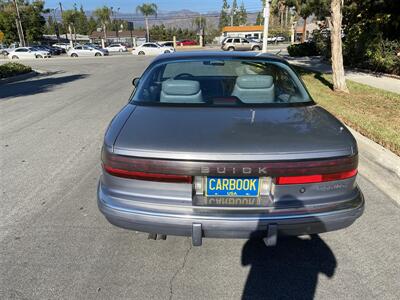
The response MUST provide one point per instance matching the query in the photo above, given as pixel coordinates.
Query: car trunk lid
(234, 134)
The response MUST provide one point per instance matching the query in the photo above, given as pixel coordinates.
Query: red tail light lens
(315, 178)
(121, 166)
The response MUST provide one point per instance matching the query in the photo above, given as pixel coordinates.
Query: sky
(127, 6)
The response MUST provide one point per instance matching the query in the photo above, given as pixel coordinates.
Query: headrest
(180, 87)
(255, 81)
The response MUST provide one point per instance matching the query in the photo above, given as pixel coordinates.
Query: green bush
(322, 42)
(303, 49)
(369, 50)
(12, 69)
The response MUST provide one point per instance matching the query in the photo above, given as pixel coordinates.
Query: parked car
(240, 44)
(52, 50)
(64, 46)
(280, 39)
(167, 44)
(117, 48)
(84, 50)
(228, 145)
(28, 52)
(152, 49)
(186, 43)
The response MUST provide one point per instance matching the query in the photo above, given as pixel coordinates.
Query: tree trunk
(105, 32)
(147, 29)
(339, 81)
(70, 36)
(303, 36)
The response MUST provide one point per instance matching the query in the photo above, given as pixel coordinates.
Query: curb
(31, 74)
(379, 165)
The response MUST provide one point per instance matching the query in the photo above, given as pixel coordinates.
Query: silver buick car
(227, 145)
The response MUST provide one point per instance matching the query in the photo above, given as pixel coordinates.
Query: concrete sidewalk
(375, 80)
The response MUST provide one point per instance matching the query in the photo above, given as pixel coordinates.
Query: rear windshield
(209, 82)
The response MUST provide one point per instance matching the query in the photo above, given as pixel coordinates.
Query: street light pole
(266, 23)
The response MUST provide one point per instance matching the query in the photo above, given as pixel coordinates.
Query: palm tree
(69, 17)
(147, 9)
(200, 23)
(103, 15)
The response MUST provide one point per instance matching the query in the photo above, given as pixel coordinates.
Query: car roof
(217, 54)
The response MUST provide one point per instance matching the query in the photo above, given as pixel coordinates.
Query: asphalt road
(54, 243)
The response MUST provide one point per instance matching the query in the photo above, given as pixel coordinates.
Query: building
(130, 37)
(253, 31)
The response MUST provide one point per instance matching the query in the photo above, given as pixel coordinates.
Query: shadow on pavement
(32, 87)
(287, 271)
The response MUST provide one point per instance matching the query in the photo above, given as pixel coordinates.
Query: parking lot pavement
(54, 243)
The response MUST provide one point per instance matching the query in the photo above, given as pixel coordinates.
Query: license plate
(238, 187)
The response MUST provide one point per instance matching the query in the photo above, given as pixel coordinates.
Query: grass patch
(373, 112)
(12, 69)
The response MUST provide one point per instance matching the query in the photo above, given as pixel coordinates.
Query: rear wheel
(97, 54)
(256, 48)
(141, 53)
(15, 57)
(231, 49)
(39, 56)
(74, 55)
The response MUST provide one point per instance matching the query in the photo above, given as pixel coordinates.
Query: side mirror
(135, 81)
(29, 51)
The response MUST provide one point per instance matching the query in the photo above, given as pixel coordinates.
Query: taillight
(315, 178)
(122, 166)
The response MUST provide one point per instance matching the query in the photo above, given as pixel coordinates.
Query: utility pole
(266, 23)
(61, 10)
(19, 26)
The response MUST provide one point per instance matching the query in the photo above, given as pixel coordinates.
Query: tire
(14, 57)
(74, 55)
(256, 48)
(120, 50)
(141, 53)
(39, 56)
(97, 54)
(231, 49)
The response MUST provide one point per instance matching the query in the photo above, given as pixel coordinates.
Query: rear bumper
(229, 226)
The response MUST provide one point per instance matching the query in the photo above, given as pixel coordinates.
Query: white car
(116, 48)
(152, 49)
(64, 46)
(84, 50)
(280, 39)
(28, 52)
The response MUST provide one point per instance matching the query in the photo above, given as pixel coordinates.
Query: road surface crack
(180, 269)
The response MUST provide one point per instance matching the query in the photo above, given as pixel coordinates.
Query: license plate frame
(226, 184)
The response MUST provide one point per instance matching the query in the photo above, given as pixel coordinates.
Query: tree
(242, 15)
(69, 18)
(234, 14)
(92, 25)
(82, 24)
(103, 16)
(223, 16)
(339, 81)
(305, 8)
(50, 25)
(32, 20)
(147, 9)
